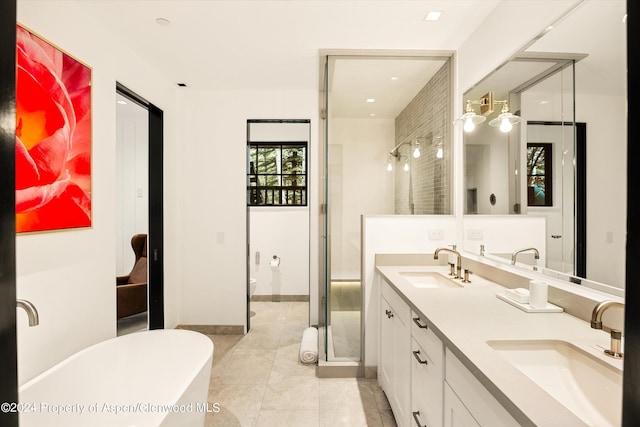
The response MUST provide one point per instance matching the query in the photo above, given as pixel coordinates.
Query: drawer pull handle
(416, 320)
(416, 354)
(389, 313)
(415, 418)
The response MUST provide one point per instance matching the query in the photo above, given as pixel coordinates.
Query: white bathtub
(150, 378)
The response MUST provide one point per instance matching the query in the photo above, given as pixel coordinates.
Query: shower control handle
(389, 313)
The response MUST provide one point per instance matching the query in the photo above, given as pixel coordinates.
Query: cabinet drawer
(398, 306)
(426, 387)
(427, 339)
(486, 410)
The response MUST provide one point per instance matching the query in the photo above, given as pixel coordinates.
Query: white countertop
(466, 318)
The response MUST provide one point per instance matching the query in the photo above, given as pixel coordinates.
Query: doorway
(132, 213)
(140, 204)
(278, 215)
(566, 224)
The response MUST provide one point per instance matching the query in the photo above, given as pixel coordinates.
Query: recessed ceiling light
(544, 102)
(394, 78)
(433, 15)
(121, 102)
(371, 100)
(372, 114)
(163, 21)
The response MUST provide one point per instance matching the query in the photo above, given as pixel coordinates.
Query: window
(277, 174)
(539, 183)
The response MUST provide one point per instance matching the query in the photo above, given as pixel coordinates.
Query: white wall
(284, 232)
(606, 151)
(212, 182)
(358, 157)
(490, 173)
(70, 276)
(132, 184)
(398, 234)
(504, 234)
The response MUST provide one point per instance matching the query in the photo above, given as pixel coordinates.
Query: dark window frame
(280, 190)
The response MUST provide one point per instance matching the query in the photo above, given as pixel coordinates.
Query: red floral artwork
(53, 137)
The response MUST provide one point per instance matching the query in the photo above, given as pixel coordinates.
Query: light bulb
(406, 167)
(505, 125)
(416, 152)
(469, 126)
(389, 167)
(439, 153)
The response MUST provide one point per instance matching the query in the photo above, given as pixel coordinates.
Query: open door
(154, 207)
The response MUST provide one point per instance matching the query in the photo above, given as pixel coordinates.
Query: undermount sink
(586, 385)
(429, 280)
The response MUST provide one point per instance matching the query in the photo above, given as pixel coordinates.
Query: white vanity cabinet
(394, 370)
(427, 374)
(467, 402)
(455, 413)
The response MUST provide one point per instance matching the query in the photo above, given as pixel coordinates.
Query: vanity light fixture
(406, 165)
(389, 164)
(470, 118)
(505, 119)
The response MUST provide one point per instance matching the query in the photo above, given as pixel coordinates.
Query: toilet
(253, 283)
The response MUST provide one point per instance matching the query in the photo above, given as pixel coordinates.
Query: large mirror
(565, 161)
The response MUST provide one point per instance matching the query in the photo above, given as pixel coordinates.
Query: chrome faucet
(32, 313)
(458, 260)
(616, 335)
(514, 255)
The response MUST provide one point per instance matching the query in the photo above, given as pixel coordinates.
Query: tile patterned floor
(258, 380)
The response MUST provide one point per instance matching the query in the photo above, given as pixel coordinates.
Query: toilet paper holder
(275, 262)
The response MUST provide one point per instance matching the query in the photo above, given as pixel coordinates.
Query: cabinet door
(455, 413)
(402, 370)
(385, 369)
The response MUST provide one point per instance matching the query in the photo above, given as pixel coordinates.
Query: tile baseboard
(280, 298)
(215, 329)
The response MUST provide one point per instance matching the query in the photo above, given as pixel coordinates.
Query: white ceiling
(354, 80)
(275, 44)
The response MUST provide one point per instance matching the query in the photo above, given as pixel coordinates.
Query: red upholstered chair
(132, 288)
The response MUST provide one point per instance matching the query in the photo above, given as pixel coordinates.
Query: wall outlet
(475, 234)
(437, 234)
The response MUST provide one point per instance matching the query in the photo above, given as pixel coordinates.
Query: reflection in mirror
(566, 160)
